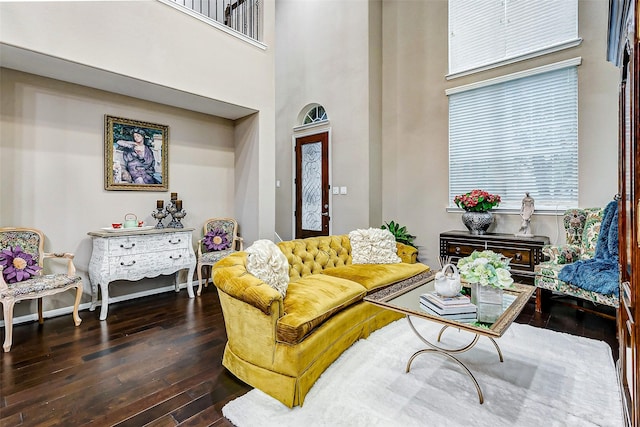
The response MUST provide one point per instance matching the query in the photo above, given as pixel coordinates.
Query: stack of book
(457, 308)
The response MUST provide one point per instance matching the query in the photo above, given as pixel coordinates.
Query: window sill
(512, 60)
(507, 211)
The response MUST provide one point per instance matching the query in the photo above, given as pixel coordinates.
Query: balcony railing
(240, 15)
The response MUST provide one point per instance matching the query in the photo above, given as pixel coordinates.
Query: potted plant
(487, 274)
(400, 233)
(477, 205)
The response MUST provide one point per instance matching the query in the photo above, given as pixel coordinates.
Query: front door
(312, 185)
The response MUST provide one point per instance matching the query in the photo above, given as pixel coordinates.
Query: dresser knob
(518, 256)
(457, 250)
(128, 265)
(175, 242)
(128, 247)
(177, 257)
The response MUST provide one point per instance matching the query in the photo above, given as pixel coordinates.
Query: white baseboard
(62, 311)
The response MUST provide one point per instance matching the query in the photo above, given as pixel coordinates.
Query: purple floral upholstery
(220, 239)
(21, 261)
(17, 265)
(217, 239)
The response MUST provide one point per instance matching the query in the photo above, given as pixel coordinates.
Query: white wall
(51, 134)
(415, 130)
(323, 57)
(51, 163)
(320, 58)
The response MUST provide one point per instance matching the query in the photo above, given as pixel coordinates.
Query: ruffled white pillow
(373, 246)
(266, 261)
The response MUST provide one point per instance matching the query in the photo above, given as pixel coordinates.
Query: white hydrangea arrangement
(486, 268)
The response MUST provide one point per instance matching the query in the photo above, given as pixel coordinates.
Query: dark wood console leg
(538, 300)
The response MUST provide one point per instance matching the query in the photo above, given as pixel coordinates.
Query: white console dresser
(132, 254)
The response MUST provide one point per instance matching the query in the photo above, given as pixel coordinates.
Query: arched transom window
(315, 114)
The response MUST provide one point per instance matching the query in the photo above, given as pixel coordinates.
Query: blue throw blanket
(599, 274)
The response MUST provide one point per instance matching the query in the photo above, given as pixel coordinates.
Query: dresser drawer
(525, 252)
(126, 266)
(521, 258)
(132, 245)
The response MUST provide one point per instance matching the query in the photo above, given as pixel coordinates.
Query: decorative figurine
(526, 210)
(177, 213)
(159, 214)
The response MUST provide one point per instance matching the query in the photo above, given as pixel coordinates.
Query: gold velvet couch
(282, 345)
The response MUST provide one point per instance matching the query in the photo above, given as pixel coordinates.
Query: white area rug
(547, 379)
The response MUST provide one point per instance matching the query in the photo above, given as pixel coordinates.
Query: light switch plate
(343, 190)
(336, 190)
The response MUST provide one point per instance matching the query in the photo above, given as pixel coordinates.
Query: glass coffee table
(404, 297)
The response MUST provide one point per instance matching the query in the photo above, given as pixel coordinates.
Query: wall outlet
(343, 190)
(336, 190)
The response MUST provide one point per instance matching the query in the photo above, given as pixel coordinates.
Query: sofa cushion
(312, 299)
(373, 246)
(266, 261)
(591, 232)
(373, 276)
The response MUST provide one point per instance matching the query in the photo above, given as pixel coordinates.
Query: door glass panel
(312, 186)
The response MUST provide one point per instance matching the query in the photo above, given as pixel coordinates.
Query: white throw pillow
(373, 246)
(266, 261)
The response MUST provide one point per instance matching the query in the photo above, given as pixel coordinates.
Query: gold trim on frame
(137, 162)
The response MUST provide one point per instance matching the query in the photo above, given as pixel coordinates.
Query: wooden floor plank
(155, 361)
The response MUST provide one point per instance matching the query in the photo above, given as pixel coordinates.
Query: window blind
(517, 136)
(491, 31)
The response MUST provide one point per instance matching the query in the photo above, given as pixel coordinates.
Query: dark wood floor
(155, 361)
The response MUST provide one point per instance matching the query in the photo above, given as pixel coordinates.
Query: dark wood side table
(525, 252)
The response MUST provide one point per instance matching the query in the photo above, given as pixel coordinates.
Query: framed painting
(136, 155)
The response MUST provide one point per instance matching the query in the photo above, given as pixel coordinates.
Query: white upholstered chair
(21, 262)
(220, 238)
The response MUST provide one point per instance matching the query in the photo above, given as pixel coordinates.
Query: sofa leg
(538, 300)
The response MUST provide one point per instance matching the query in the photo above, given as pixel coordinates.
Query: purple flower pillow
(17, 265)
(216, 240)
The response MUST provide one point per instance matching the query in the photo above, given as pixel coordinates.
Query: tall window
(482, 33)
(517, 134)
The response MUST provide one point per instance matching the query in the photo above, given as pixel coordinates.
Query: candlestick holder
(159, 214)
(176, 216)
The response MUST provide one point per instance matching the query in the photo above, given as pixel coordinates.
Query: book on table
(443, 301)
(459, 317)
(462, 306)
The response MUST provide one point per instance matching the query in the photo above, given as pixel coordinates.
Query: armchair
(220, 239)
(21, 260)
(582, 227)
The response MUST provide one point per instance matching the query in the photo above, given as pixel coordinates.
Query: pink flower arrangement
(477, 201)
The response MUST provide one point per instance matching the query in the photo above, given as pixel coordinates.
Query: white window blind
(484, 32)
(517, 135)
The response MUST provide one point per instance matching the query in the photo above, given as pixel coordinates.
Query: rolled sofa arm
(407, 253)
(230, 275)
(561, 254)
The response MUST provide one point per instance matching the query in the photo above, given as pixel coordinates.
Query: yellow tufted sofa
(282, 345)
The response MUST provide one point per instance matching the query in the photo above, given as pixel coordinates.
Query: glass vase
(488, 300)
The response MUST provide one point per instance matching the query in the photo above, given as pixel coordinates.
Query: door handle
(325, 214)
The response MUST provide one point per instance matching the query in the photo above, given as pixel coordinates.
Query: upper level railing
(240, 15)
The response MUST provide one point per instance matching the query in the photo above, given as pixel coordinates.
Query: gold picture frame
(136, 155)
